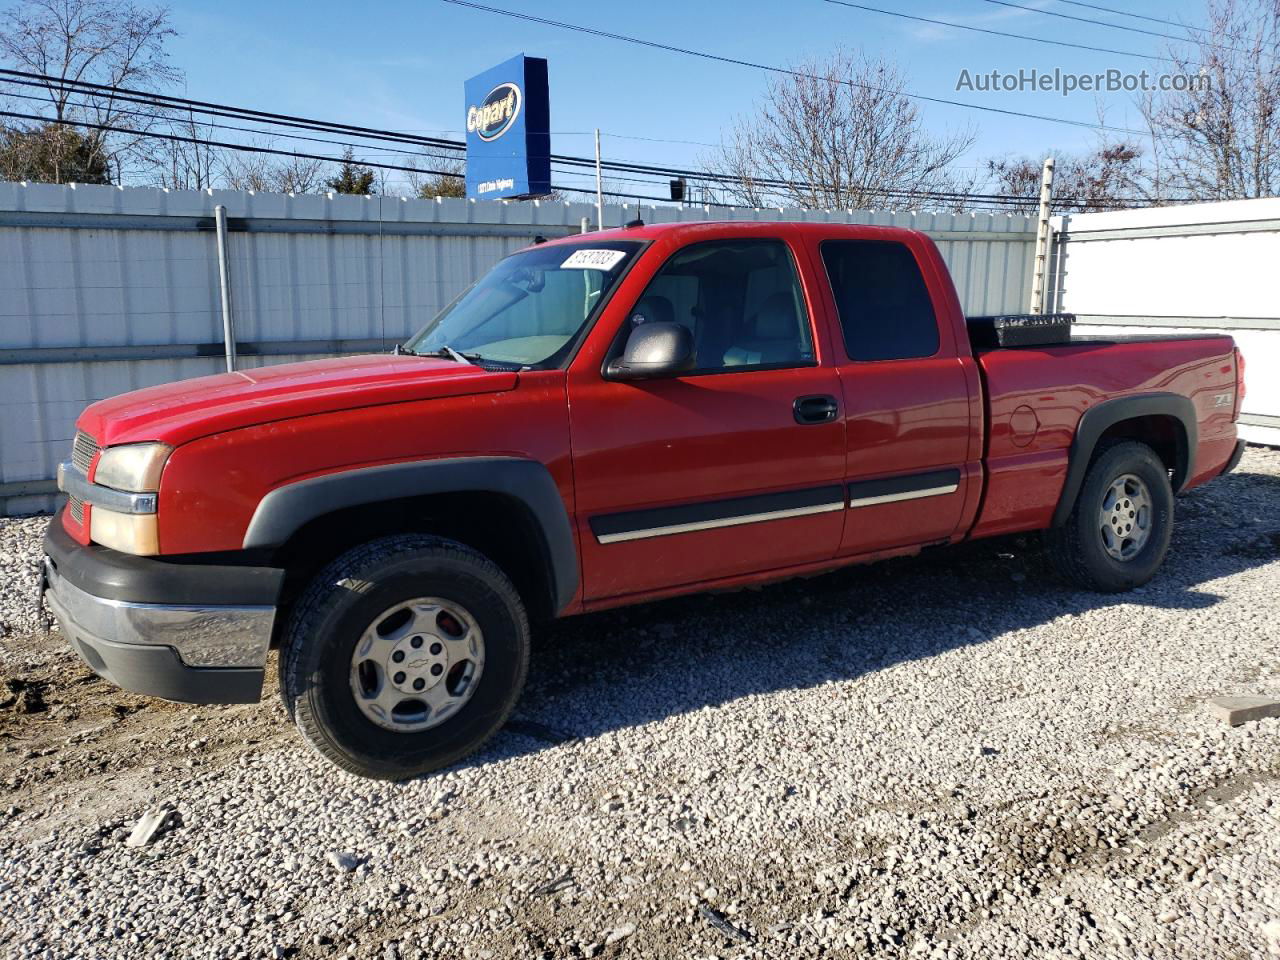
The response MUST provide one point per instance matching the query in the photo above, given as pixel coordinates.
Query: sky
(401, 64)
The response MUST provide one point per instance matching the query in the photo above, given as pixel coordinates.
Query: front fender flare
(285, 510)
(1099, 419)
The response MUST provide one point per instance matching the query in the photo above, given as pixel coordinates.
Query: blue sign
(509, 131)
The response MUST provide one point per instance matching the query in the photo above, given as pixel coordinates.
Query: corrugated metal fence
(104, 290)
(1185, 269)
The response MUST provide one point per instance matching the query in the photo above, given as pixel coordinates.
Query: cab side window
(741, 300)
(885, 309)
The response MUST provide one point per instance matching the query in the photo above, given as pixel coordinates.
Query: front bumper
(192, 632)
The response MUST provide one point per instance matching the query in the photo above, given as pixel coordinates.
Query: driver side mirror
(654, 350)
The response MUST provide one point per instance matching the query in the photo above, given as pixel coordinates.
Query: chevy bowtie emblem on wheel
(495, 116)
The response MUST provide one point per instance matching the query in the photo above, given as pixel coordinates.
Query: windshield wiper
(455, 355)
(446, 352)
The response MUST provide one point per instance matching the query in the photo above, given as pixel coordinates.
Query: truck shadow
(603, 672)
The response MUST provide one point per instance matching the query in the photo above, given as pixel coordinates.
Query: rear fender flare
(285, 510)
(1099, 419)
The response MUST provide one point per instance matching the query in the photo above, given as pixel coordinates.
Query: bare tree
(438, 183)
(1111, 177)
(266, 173)
(188, 162)
(837, 133)
(109, 42)
(1219, 139)
(299, 175)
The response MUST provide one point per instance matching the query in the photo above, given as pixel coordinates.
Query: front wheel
(404, 655)
(1119, 529)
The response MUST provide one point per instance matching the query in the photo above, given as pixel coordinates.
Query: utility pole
(599, 187)
(1043, 238)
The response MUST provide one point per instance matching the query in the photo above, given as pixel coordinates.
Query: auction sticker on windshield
(593, 260)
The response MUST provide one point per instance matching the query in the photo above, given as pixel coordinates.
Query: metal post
(586, 224)
(599, 187)
(1044, 238)
(1053, 281)
(224, 278)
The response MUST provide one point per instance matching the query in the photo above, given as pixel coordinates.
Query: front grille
(83, 449)
(77, 509)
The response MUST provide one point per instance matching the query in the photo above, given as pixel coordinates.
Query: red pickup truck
(600, 420)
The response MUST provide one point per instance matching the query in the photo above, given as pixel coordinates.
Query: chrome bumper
(200, 636)
(176, 629)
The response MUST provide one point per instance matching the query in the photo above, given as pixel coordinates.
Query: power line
(195, 106)
(1136, 16)
(1172, 23)
(243, 147)
(988, 200)
(296, 122)
(1110, 26)
(307, 156)
(1093, 22)
(166, 101)
(183, 121)
(654, 44)
(223, 110)
(631, 136)
(994, 33)
(178, 118)
(296, 136)
(585, 133)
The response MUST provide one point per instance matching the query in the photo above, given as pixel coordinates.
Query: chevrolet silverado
(600, 420)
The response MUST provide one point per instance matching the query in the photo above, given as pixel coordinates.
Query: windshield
(529, 306)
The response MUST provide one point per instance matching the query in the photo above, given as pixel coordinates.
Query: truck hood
(175, 413)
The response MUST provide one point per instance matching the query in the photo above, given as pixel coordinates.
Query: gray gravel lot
(952, 756)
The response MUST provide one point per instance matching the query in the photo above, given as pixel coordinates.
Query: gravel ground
(19, 556)
(952, 756)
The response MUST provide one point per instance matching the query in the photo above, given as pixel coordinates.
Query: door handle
(821, 408)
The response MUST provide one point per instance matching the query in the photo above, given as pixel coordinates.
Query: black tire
(1077, 549)
(343, 601)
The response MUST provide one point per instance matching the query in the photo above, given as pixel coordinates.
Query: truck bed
(1036, 396)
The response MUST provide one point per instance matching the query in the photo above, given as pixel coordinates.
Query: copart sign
(494, 117)
(508, 119)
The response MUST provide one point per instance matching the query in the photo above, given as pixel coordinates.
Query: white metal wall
(1186, 269)
(104, 290)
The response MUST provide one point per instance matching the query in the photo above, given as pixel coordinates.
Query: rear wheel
(404, 655)
(1119, 529)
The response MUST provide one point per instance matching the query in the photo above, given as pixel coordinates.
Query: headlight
(134, 467)
(127, 532)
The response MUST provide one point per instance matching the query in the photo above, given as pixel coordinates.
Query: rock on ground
(952, 756)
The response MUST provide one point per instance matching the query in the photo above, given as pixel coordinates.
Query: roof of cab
(652, 231)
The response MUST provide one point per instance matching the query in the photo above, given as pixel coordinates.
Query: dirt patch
(67, 733)
(22, 696)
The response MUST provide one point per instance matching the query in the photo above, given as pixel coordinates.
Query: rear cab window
(885, 309)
